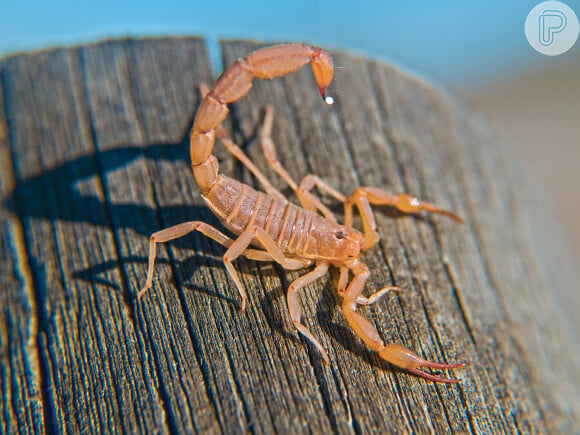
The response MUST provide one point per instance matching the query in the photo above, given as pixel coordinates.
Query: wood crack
(29, 281)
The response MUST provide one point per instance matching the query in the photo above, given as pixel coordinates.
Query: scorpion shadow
(56, 195)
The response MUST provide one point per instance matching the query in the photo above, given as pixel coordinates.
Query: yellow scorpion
(269, 228)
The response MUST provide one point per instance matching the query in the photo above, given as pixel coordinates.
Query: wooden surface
(93, 155)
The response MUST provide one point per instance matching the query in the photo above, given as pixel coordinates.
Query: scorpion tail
(267, 63)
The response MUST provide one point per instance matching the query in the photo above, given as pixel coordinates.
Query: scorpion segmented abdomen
(239, 206)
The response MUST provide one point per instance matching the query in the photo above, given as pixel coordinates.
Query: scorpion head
(337, 244)
(349, 246)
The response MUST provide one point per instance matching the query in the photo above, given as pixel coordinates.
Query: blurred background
(475, 50)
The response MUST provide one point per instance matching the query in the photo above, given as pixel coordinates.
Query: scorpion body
(269, 228)
(299, 233)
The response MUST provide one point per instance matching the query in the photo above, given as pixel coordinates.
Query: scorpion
(269, 228)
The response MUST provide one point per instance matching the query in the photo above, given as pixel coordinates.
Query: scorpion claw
(434, 209)
(431, 377)
(404, 358)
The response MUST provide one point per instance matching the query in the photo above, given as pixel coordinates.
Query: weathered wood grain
(93, 159)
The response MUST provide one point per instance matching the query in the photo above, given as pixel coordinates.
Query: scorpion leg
(393, 353)
(307, 199)
(294, 305)
(375, 297)
(180, 230)
(240, 245)
(304, 193)
(270, 149)
(343, 280)
(363, 197)
(238, 153)
(310, 180)
(362, 300)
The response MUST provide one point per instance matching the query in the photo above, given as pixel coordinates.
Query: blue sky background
(454, 43)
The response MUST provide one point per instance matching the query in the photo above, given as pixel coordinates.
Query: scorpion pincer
(269, 228)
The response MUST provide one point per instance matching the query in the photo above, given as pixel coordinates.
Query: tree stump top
(94, 158)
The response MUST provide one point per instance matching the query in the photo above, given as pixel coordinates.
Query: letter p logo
(552, 28)
(551, 22)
